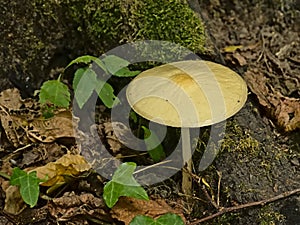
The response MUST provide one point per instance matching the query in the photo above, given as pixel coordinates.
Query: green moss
(111, 23)
(171, 20)
(236, 140)
(267, 216)
(34, 32)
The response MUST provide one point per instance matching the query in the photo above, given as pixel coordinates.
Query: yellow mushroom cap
(187, 93)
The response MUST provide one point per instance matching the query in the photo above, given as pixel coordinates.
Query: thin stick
(8, 157)
(247, 205)
(151, 166)
(209, 198)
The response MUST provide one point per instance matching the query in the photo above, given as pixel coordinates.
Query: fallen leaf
(67, 166)
(232, 48)
(14, 203)
(127, 208)
(70, 205)
(11, 98)
(241, 59)
(285, 111)
(61, 125)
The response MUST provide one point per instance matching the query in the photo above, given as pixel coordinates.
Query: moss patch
(34, 33)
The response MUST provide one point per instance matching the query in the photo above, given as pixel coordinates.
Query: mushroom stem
(187, 160)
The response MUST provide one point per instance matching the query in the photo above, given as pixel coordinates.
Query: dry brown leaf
(12, 126)
(287, 113)
(118, 135)
(11, 98)
(71, 205)
(60, 125)
(67, 165)
(42, 152)
(284, 110)
(241, 59)
(23, 123)
(14, 203)
(55, 172)
(127, 208)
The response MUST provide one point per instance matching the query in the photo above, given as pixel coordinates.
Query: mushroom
(187, 94)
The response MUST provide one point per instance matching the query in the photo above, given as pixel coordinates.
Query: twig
(200, 182)
(209, 198)
(155, 165)
(16, 152)
(247, 205)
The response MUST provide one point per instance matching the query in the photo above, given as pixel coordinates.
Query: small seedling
(85, 82)
(54, 94)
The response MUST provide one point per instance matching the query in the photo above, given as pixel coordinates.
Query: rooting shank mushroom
(187, 94)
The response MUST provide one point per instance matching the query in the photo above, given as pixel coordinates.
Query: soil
(259, 157)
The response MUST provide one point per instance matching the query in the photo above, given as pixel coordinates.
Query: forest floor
(255, 178)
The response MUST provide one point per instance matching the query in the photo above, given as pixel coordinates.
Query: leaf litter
(45, 147)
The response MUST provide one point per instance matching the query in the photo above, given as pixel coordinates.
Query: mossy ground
(39, 35)
(253, 167)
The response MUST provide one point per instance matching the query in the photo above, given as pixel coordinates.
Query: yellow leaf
(67, 165)
(205, 183)
(232, 48)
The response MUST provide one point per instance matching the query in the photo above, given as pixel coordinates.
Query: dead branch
(247, 205)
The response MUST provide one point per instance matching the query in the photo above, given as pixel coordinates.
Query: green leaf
(142, 220)
(133, 116)
(84, 83)
(106, 94)
(114, 63)
(167, 219)
(123, 184)
(87, 59)
(170, 219)
(154, 148)
(28, 183)
(55, 92)
(125, 72)
(123, 174)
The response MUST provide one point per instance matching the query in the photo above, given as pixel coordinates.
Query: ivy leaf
(106, 94)
(167, 219)
(142, 220)
(84, 83)
(55, 92)
(123, 184)
(28, 183)
(154, 148)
